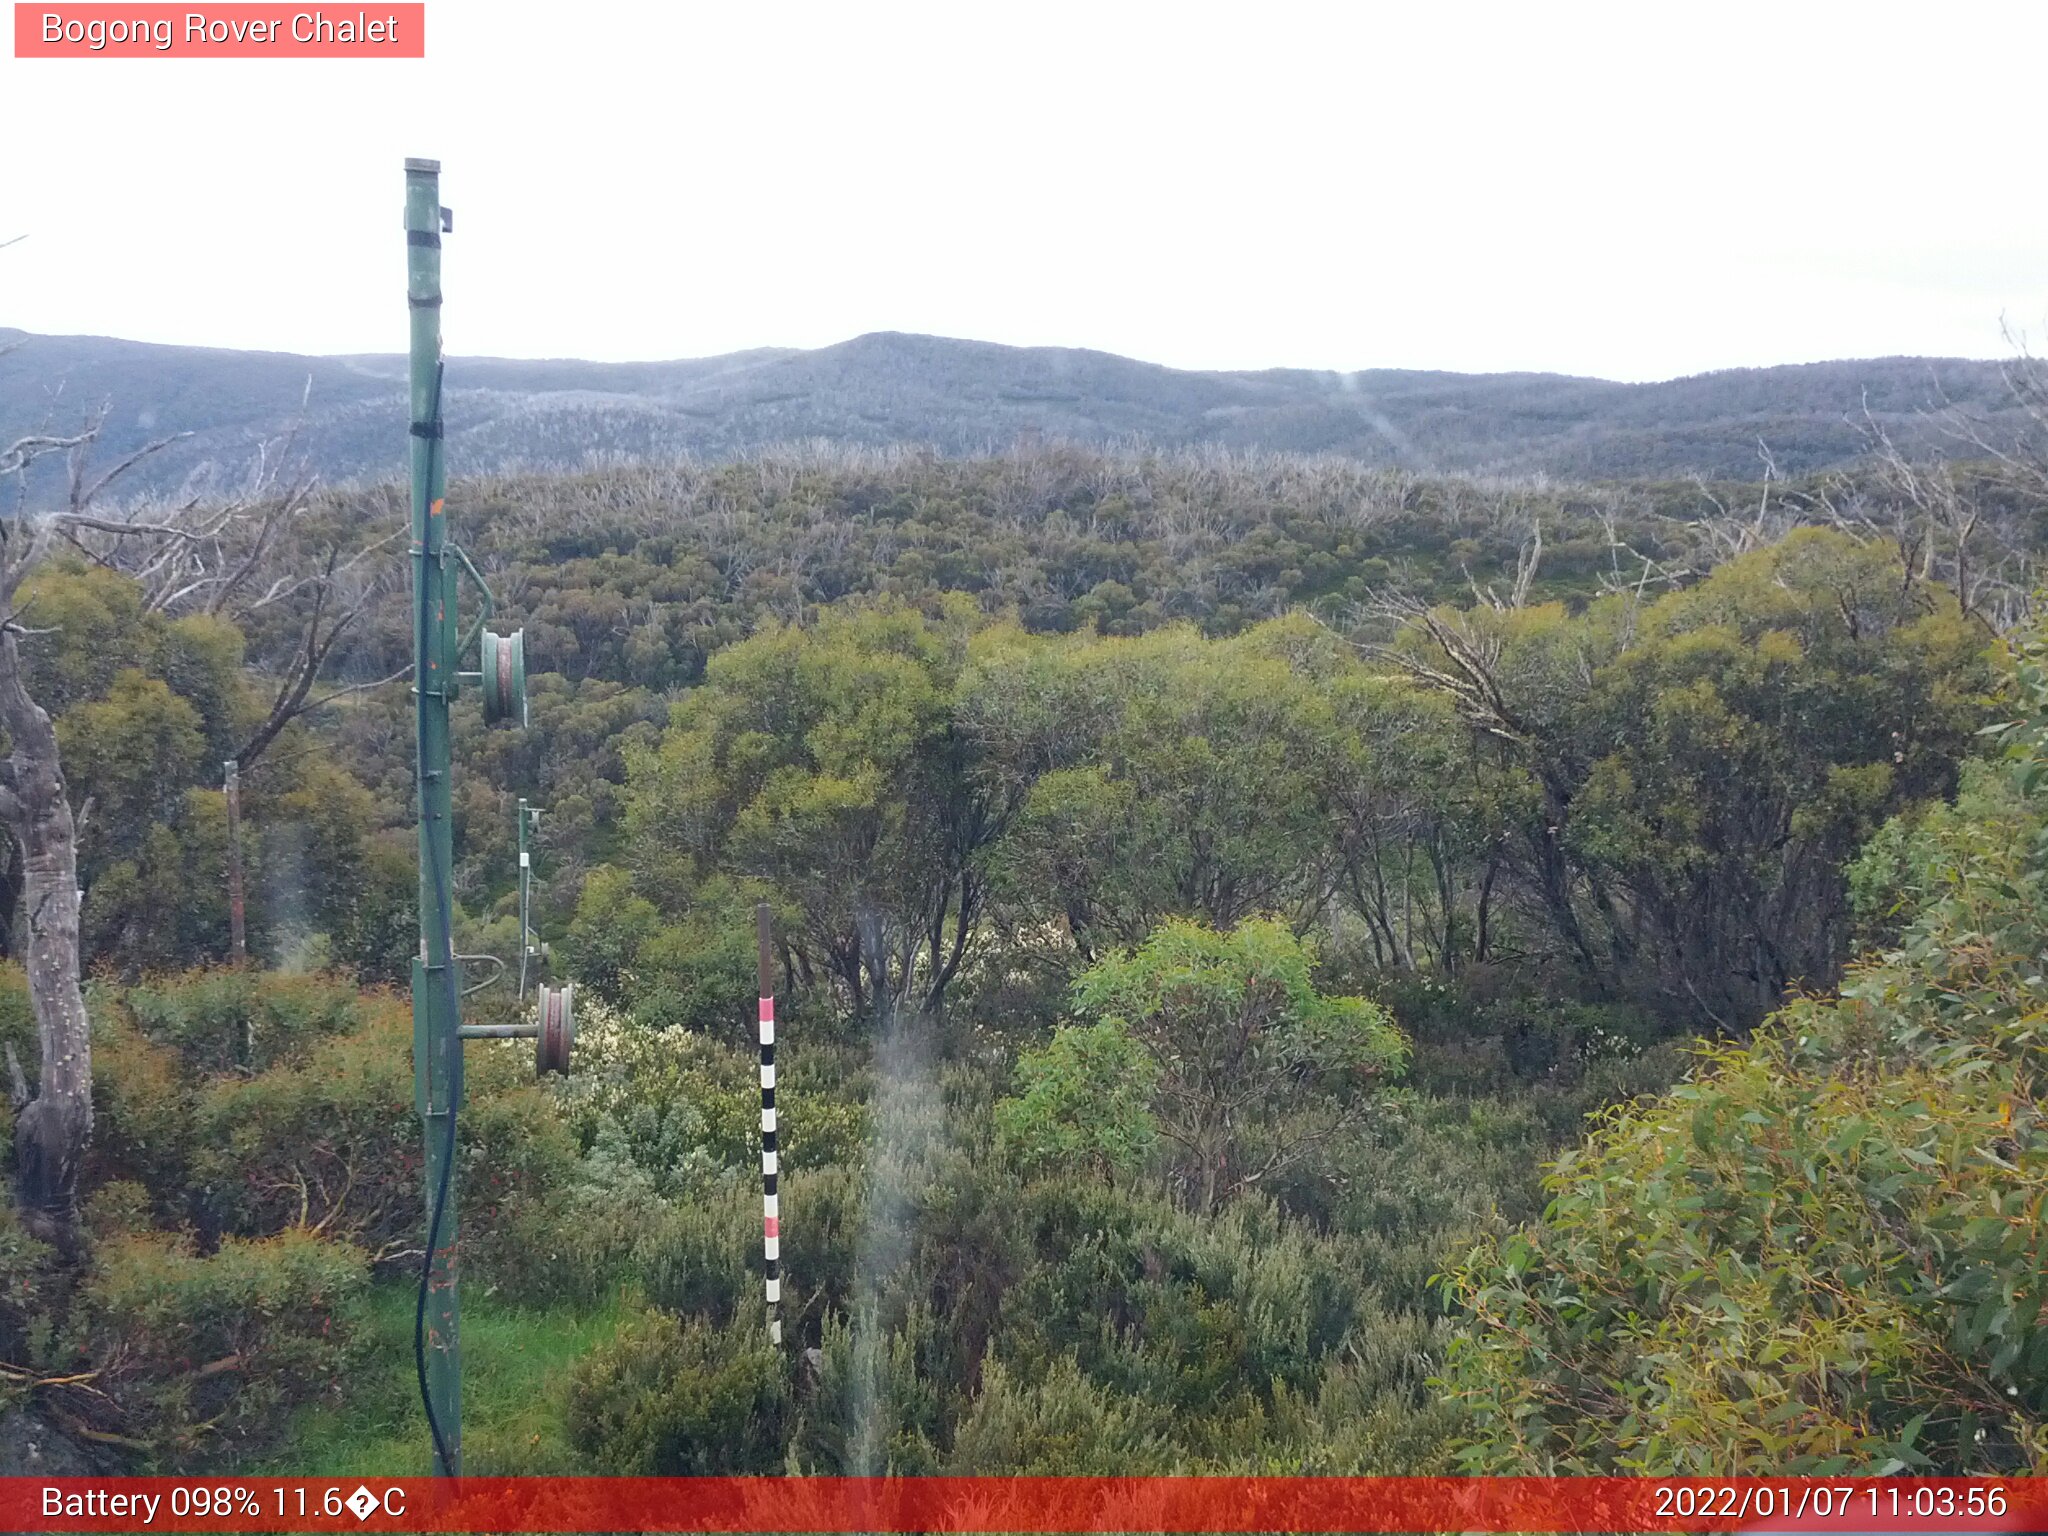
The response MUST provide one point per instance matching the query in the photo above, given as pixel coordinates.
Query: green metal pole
(437, 1050)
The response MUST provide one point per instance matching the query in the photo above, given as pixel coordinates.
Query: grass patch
(515, 1365)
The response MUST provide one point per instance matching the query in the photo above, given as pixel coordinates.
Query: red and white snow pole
(771, 1221)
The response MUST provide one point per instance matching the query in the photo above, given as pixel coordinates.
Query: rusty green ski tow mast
(437, 990)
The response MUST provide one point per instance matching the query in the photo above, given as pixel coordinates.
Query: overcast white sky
(1636, 191)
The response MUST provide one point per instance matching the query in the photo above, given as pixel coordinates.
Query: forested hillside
(347, 413)
(1208, 889)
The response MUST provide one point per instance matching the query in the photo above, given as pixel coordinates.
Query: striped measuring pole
(771, 1219)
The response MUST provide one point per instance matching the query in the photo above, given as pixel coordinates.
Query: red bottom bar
(1050, 1504)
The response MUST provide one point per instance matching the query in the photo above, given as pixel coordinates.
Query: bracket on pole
(553, 1030)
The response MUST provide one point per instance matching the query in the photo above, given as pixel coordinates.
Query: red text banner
(1050, 1504)
(377, 31)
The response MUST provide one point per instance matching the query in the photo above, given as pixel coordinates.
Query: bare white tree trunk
(178, 555)
(52, 1131)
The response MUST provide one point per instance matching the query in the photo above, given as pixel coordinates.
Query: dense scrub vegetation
(1206, 893)
(1826, 1250)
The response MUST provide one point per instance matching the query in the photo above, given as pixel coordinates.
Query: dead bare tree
(53, 1125)
(336, 597)
(199, 554)
(1527, 560)
(1464, 657)
(1728, 532)
(1633, 588)
(1963, 516)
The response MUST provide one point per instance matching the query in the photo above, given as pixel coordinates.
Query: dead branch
(23, 451)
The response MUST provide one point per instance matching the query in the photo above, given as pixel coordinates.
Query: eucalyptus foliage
(1826, 1251)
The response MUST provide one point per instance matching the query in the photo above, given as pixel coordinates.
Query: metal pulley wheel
(557, 1030)
(504, 677)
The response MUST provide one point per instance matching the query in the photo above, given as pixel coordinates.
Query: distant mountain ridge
(969, 396)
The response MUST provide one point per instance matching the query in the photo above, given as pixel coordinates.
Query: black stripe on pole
(771, 1223)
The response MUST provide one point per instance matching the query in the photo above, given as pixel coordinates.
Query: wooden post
(238, 929)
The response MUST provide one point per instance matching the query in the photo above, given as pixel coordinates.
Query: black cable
(442, 902)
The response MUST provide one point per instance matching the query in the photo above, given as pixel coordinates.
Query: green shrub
(699, 973)
(118, 1208)
(822, 1103)
(873, 1407)
(209, 1354)
(514, 1147)
(334, 1144)
(960, 1252)
(672, 1398)
(1914, 858)
(376, 926)
(679, 1105)
(1207, 1317)
(1239, 1036)
(569, 1244)
(242, 1020)
(1801, 1261)
(653, 1096)
(931, 1227)
(611, 924)
(1378, 1417)
(694, 971)
(1084, 1105)
(1825, 1253)
(1490, 1029)
(824, 1211)
(702, 1257)
(31, 1282)
(1065, 1426)
(142, 1110)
